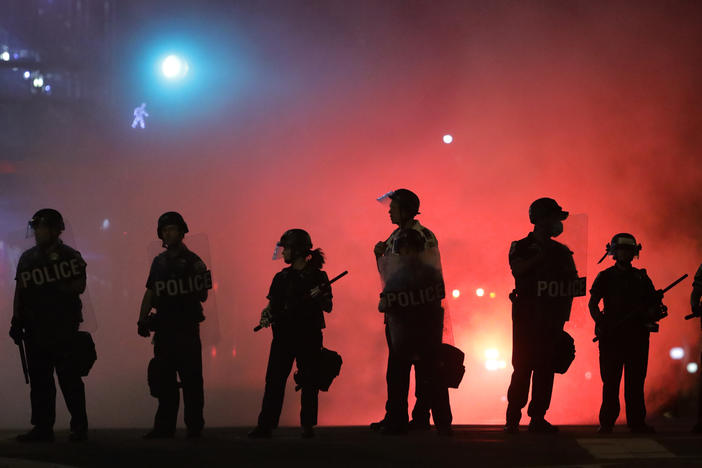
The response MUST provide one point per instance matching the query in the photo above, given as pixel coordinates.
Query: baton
(668, 288)
(333, 280)
(23, 358)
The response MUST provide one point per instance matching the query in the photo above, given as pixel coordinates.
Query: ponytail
(316, 259)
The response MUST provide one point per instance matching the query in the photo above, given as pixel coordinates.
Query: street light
(174, 67)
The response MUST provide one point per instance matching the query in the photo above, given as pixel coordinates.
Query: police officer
(177, 286)
(47, 313)
(696, 307)
(298, 297)
(404, 207)
(623, 330)
(411, 300)
(540, 307)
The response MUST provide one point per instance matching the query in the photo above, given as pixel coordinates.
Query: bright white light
(480, 292)
(677, 353)
(105, 224)
(492, 353)
(692, 367)
(456, 293)
(588, 375)
(38, 82)
(5, 56)
(27, 74)
(448, 139)
(174, 67)
(494, 364)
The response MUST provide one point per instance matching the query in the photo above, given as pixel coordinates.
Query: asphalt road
(473, 446)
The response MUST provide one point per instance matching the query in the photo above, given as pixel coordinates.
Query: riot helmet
(168, 219)
(406, 199)
(298, 240)
(47, 217)
(623, 240)
(546, 209)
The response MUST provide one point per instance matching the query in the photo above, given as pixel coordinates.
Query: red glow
(573, 103)
(6, 167)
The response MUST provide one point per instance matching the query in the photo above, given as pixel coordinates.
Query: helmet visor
(386, 198)
(278, 251)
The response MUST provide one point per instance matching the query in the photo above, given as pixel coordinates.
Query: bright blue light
(174, 67)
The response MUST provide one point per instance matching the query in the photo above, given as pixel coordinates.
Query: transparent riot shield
(16, 242)
(575, 236)
(199, 244)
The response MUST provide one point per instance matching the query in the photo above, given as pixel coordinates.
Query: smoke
(593, 103)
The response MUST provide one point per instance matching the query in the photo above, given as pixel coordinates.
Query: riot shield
(575, 236)
(199, 244)
(18, 241)
(413, 291)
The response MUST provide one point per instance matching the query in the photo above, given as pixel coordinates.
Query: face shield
(386, 198)
(278, 251)
(30, 229)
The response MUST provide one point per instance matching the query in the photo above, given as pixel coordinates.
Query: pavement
(476, 446)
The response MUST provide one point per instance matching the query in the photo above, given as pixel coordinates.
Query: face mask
(556, 229)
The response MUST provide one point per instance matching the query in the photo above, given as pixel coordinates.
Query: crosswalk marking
(624, 448)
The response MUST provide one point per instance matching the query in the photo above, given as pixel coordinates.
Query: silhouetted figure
(403, 208)
(47, 313)
(623, 329)
(298, 298)
(540, 307)
(177, 286)
(411, 301)
(696, 307)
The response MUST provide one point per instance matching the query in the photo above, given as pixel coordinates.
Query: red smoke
(593, 103)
